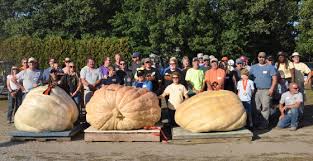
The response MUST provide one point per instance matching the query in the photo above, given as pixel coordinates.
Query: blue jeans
(13, 102)
(77, 99)
(290, 119)
(248, 108)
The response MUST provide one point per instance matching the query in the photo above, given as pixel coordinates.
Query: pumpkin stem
(119, 115)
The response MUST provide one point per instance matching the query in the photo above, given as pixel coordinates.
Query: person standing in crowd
(124, 75)
(46, 72)
(285, 68)
(185, 66)
(300, 70)
(177, 93)
(194, 78)
(245, 62)
(238, 68)
(200, 58)
(117, 58)
(141, 81)
(55, 80)
(265, 79)
(224, 59)
(245, 88)
(30, 78)
(215, 77)
(66, 68)
(269, 60)
(172, 68)
(136, 62)
(14, 95)
(206, 64)
(111, 78)
(24, 64)
(90, 77)
(104, 69)
(289, 106)
(154, 76)
(230, 78)
(74, 85)
(231, 64)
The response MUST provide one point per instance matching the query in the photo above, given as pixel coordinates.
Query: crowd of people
(259, 85)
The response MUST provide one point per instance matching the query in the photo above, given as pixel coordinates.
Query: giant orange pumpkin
(116, 107)
(211, 111)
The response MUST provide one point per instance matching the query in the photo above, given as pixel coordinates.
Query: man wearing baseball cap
(30, 77)
(215, 77)
(195, 77)
(136, 63)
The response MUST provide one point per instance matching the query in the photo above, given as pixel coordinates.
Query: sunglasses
(72, 66)
(261, 57)
(295, 88)
(147, 62)
(25, 62)
(122, 63)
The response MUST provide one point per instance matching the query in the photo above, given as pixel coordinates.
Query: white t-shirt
(91, 75)
(176, 94)
(245, 95)
(13, 86)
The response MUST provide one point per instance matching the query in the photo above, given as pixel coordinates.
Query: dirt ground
(271, 144)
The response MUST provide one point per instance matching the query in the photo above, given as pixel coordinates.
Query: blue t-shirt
(262, 75)
(145, 84)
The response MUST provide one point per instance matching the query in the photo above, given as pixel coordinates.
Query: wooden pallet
(92, 135)
(182, 136)
(46, 136)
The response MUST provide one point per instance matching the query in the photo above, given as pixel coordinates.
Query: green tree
(66, 18)
(305, 40)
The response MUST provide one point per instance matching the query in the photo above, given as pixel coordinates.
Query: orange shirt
(215, 75)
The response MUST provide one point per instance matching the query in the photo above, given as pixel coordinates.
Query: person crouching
(289, 105)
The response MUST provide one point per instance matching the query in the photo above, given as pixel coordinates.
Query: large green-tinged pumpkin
(211, 111)
(39, 112)
(116, 107)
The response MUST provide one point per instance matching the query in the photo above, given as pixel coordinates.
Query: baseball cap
(195, 59)
(231, 62)
(147, 60)
(213, 59)
(200, 55)
(32, 59)
(211, 56)
(135, 54)
(239, 61)
(206, 57)
(295, 54)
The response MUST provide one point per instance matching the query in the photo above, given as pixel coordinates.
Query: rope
(157, 128)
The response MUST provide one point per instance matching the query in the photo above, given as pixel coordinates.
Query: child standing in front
(245, 89)
(177, 93)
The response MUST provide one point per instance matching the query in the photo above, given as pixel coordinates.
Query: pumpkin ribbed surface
(116, 107)
(39, 112)
(211, 111)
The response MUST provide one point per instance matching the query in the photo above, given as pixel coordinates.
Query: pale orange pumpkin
(116, 107)
(211, 111)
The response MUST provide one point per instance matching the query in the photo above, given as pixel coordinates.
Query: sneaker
(293, 128)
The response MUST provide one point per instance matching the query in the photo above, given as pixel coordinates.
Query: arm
(295, 105)
(309, 78)
(274, 83)
(8, 85)
(282, 111)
